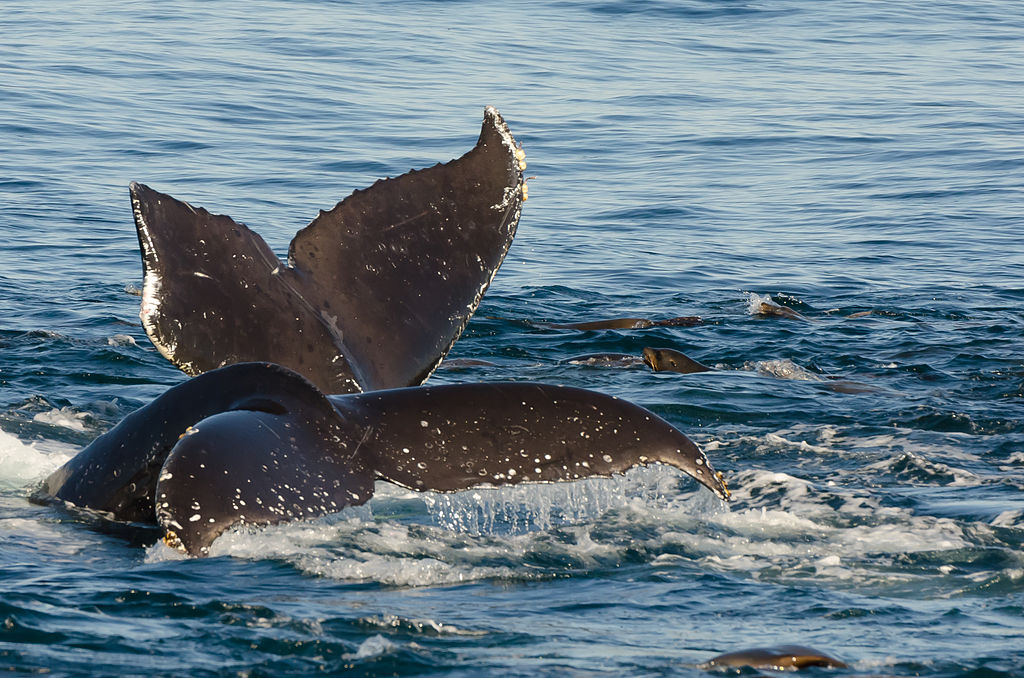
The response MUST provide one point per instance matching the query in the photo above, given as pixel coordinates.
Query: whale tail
(375, 291)
(258, 444)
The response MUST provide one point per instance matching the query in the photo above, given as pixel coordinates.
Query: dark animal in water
(374, 293)
(258, 444)
(778, 658)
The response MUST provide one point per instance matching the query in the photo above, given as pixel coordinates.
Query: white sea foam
(65, 417)
(779, 441)
(373, 646)
(1011, 518)
(160, 553)
(43, 540)
(802, 536)
(805, 540)
(754, 301)
(26, 528)
(784, 527)
(909, 462)
(23, 463)
(121, 340)
(1015, 458)
(354, 549)
(485, 534)
(782, 369)
(424, 626)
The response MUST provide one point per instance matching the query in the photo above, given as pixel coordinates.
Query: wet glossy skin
(773, 310)
(780, 657)
(670, 360)
(257, 444)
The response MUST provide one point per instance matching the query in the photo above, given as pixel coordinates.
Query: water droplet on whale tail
(375, 292)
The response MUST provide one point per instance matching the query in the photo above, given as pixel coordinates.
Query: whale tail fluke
(258, 444)
(454, 437)
(375, 290)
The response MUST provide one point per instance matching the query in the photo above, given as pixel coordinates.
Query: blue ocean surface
(861, 162)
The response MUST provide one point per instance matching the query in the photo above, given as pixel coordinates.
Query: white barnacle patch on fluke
(506, 136)
(172, 540)
(149, 309)
(152, 288)
(506, 200)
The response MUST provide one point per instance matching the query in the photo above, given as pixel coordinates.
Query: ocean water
(861, 162)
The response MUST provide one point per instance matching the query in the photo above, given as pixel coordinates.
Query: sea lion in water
(375, 291)
(769, 309)
(778, 658)
(670, 360)
(658, 359)
(258, 444)
(626, 323)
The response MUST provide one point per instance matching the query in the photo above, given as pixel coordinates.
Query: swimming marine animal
(658, 359)
(770, 309)
(777, 658)
(373, 295)
(671, 360)
(256, 444)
